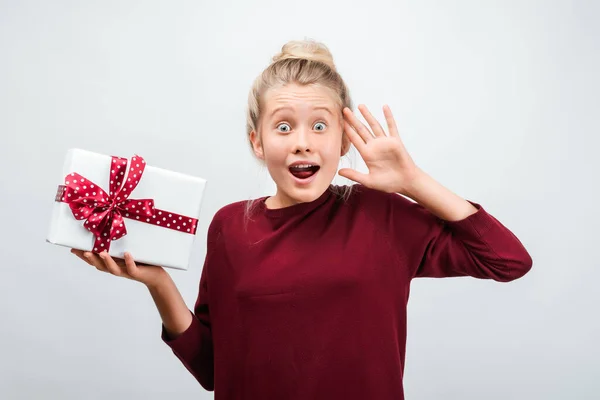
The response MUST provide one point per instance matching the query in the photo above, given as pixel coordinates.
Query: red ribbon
(104, 213)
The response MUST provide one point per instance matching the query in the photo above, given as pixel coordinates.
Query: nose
(302, 141)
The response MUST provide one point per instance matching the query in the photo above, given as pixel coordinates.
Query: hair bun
(306, 49)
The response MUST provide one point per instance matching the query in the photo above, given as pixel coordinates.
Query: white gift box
(178, 198)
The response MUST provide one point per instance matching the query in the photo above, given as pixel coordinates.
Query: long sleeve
(478, 246)
(194, 347)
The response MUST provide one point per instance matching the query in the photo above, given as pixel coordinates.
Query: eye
(320, 126)
(284, 125)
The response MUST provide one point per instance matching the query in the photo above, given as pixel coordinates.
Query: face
(301, 141)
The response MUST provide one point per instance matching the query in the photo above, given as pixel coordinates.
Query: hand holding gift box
(147, 211)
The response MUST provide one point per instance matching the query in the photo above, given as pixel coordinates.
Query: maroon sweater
(309, 301)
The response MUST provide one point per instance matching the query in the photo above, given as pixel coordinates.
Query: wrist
(160, 281)
(414, 185)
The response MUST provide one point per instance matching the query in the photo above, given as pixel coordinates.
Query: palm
(389, 164)
(125, 268)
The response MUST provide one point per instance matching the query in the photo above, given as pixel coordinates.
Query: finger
(95, 261)
(358, 126)
(391, 123)
(79, 253)
(111, 265)
(354, 137)
(121, 264)
(354, 175)
(373, 123)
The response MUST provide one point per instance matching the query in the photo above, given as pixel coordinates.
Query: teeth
(302, 166)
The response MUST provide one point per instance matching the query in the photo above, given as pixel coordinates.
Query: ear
(257, 145)
(345, 139)
(345, 145)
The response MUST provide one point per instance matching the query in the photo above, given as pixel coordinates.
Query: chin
(305, 195)
(306, 191)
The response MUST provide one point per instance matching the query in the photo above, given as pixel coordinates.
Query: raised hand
(391, 168)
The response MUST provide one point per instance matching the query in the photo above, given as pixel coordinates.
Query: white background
(498, 100)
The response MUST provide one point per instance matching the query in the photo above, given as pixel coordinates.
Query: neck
(279, 200)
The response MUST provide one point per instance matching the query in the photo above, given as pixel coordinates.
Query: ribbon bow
(104, 213)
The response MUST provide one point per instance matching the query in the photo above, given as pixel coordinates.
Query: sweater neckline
(294, 209)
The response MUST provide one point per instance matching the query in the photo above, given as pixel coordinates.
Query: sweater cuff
(186, 341)
(475, 225)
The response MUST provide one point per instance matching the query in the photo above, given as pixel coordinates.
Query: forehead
(300, 98)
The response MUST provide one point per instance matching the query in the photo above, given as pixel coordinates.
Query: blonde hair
(303, 62)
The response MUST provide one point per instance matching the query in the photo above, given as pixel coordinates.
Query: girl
(303, 294)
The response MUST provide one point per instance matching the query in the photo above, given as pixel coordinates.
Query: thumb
(354, 175)
(132, 268)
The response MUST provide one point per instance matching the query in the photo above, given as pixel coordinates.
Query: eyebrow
(281, 108)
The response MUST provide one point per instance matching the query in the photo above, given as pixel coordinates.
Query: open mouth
(303, 171)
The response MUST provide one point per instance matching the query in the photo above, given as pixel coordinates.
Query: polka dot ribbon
(104, 213)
